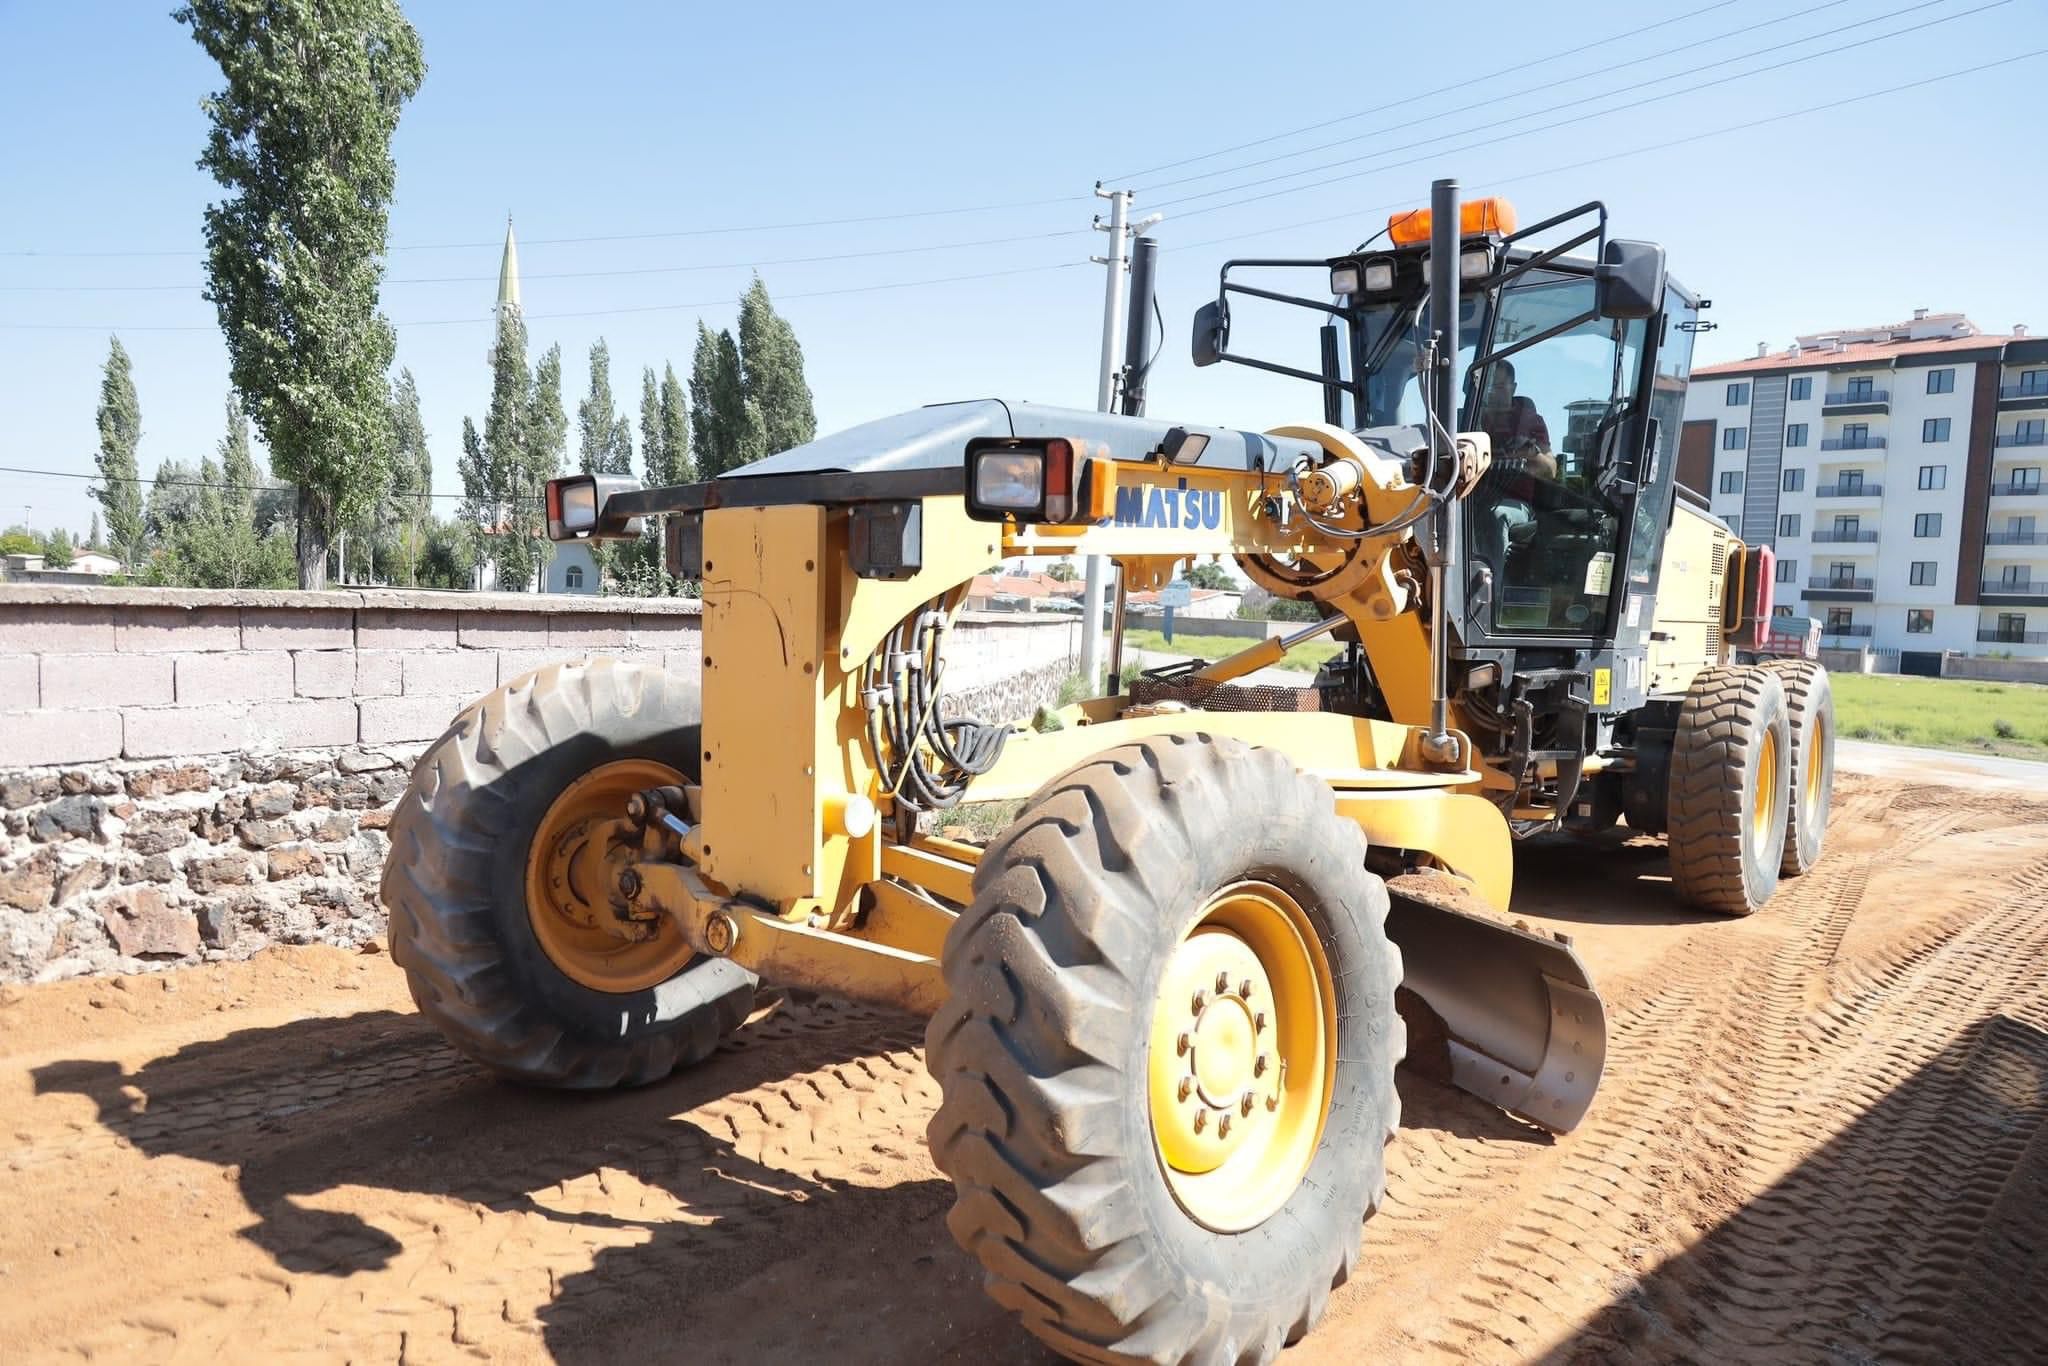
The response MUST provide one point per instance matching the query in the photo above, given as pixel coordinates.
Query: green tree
(521, 447)
(120, 424)
(773, 373)
(1210, 576)
(606, 445)
(301, 140)
(675, 431)
(19, 540)
(1063, 571)
(57, 553)
(449, 559)
(408, 505)
(92, 539)
(238, 465)
(173, 501)
(727, 432)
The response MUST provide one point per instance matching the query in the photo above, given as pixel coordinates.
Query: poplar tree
(238, 466)
(773, 373)
(408, 505)
(606, 445)
(675, 428)
(301, 140)
(120, 425)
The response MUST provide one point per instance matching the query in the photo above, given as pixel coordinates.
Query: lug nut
(1187, 1088)
(1259, 1021)
(1244, 988)
(1245, 1105)
(1201, 1000)
(1223, 1127)
(1183, 1044)
(1222, 984)
(1259, 1065)
(1201, 1120)
(1273, 1101)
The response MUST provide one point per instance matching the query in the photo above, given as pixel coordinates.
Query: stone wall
(192, 775)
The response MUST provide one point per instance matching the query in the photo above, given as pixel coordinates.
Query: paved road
(1940, 766)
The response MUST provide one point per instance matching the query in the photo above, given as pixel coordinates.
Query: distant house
(1209, 604)
(87, 566)
(573, 570)
(1027, 592)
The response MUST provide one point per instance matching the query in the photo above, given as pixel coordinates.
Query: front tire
(1729, 789)
(512, 982)
(1108, 984)
(1810, 702)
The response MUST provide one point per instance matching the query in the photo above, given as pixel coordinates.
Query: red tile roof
(1851, 354)
(1022, 586)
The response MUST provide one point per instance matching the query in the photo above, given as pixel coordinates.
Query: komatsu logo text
(1179, 508)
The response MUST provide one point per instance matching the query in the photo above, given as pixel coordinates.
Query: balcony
(1854, 631)
(1995, 636)
(2016, 490)
(2031, 394)
(1830, 536)
(1858, 443)
(2012, 588)
(2020, 439)
(1857, 401)
(1843, 582)
(1865, 490)
(2016, 538)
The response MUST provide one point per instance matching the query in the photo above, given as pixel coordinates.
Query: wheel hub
(1241, 1053)
(579, 848)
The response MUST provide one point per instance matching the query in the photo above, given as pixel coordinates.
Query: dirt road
(1821, 1139)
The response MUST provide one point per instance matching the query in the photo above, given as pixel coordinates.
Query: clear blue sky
(636, 118)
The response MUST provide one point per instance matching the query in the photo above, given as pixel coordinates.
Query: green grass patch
(1304, 658)
(1944, 713)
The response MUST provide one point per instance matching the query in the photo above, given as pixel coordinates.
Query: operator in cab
(1521, 457)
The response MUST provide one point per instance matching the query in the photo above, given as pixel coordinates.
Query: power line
(1666, 145)
(1538, 88)
(665, 235)
(587, 313)
(1462, 84)
(599, 274)
(1541, 128)
(280, 486)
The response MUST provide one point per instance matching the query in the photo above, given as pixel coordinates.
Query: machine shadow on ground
(1617, 877)
(1914, 1234)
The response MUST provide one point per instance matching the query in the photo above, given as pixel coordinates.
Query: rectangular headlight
(1379, 276)
(579, 506)
(1344, 279)
(1010, 481)
(1475, 263)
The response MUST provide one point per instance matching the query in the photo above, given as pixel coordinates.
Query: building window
(1934, 476)
(1926, 524)
(2030, 432)
(1934, 429)
(1779, 609)
(1847, 528)
(1941, 381)
(1923, 573)
(1841, 574)
(1801, 388)
(1788, 524)
(1788, 571)
(1919, 621)
(1795, 434)
(1731, 481)
(1735, 439)
(1855, 435)
(1794, 480)
(1861, 389)
(2016, 578)
(1840, 619)
(1849, 481)
(1738, 395)
(572, 577)
(2027, 479)
(2034, 382)
(2012, 626)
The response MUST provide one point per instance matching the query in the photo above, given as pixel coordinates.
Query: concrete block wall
(189, 775)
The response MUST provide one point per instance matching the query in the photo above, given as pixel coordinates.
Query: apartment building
(1897, 473)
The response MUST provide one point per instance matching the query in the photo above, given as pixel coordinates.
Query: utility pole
(1105, 401)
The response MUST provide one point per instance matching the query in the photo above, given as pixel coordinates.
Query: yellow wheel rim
(571, 867)
(1244, 1056)
(1770, 788)
(1816, 746)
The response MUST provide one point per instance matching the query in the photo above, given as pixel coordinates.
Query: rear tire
(1729, 790)
(455, 883)
(1068, 980)
(1810, 702)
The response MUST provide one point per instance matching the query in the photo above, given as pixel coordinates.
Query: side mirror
(1212, 332)
(1629, 280)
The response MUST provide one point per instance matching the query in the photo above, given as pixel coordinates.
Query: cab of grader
(1167, 1000)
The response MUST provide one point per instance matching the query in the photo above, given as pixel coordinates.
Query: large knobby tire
(456, 882)
(1810, 702)
(1068, 981)
(1729, 789)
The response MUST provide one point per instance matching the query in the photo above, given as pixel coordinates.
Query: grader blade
(1523, 1027)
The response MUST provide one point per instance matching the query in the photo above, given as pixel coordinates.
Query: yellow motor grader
(1167, 1000)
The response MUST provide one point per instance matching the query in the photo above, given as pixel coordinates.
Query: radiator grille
(1225, 696)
